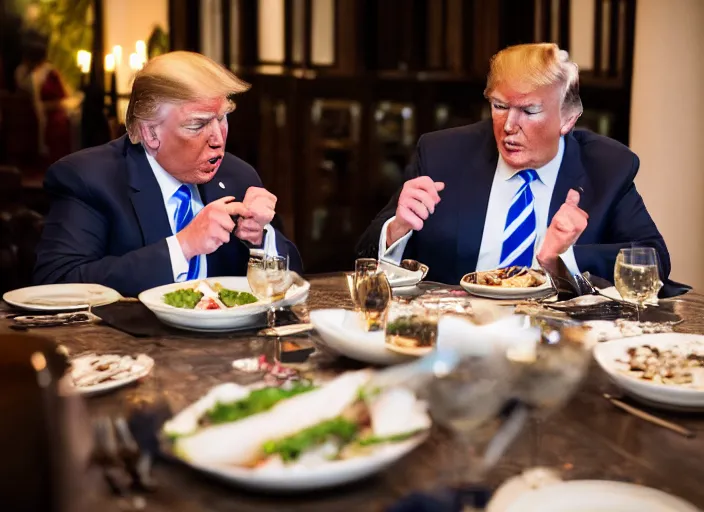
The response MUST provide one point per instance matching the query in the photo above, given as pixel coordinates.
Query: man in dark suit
(160, 205)
(520, 189)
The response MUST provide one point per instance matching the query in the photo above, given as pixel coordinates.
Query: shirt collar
(167, 183)
(546, 173)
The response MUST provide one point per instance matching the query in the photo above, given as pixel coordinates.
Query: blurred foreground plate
(331, 474)
(596, 496)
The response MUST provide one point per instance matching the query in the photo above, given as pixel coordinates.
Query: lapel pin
(222, 185)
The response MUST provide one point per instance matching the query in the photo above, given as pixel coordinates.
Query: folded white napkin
(462, 335)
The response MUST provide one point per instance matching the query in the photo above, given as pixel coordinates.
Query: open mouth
(214, 160)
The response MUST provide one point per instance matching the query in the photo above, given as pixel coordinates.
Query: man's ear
(150, 135)
(568, 122)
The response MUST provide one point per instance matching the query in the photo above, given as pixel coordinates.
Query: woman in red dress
(42, 81)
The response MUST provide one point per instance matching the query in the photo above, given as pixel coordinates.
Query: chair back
(19, 129)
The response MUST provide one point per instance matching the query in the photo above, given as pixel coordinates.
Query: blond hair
(176, 78)
(529, 66)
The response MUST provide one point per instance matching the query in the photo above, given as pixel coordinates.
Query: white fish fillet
(207, 290)
(208, 293)
(398, 411)
(239, 443)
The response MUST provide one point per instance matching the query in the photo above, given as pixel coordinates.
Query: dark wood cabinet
(332, 123)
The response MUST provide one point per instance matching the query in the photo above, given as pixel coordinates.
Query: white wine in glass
(269, 279)
(636, 275)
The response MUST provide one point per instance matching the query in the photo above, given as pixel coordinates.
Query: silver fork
(106, 456)
(137, 462)
(124, 467)
(593, 290)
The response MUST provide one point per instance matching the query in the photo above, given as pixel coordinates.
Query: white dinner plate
(303, 476)
(343, 332)
(63, 296)
(219, 320)
(675, 396)
(331, 474)
(596, 496)
(146, 363)
(500, 292)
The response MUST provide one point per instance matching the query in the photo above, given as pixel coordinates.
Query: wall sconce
(83, 59)
(110, 63)
(117, 52)
(136, 62)
(141, 49)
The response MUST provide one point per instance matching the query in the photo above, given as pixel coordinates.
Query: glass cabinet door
(393, 142)
(332, 183)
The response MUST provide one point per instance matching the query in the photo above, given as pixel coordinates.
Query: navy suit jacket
(108, 224)
(465, 158)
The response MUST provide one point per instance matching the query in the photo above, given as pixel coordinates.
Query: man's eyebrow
(517, 105)
(200, 116)
(206, 116)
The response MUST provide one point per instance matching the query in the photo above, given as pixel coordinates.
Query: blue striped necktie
(520, 230)
(184, 215)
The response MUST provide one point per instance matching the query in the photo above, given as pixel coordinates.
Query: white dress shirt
(169, 185)
(505, 185)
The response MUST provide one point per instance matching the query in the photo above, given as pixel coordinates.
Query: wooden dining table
(588, 439)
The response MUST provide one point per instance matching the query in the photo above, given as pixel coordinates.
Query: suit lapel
(146, 195)
(226, 256)
(571, 176)
(472, 199)
(212, 191)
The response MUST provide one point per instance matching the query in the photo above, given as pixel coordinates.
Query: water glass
(411, 327)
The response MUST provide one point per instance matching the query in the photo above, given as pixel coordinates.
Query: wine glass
(474, 401)
(637, 277)
(549, 372)
(269, 278)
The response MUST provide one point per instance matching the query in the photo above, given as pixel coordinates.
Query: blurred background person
(37, 77)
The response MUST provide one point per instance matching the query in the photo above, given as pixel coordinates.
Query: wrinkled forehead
(521, 93)
(206, 108)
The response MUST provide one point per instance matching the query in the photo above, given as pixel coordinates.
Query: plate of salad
(298, 436)
(216, 304)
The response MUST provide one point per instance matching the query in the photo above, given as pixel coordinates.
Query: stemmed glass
(517, 375)
(549, 373)
(636, 275)
(269, 278)
(474, 401)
